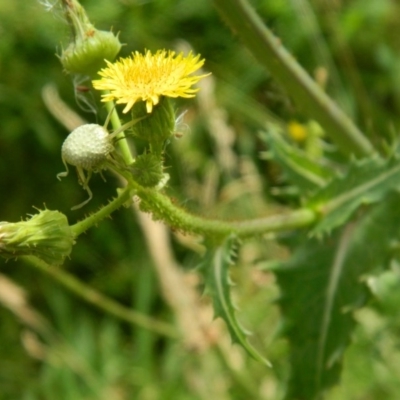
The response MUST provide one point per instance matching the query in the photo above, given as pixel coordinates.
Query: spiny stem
(101, 301)
(269, 52)
(82, 226)
(162, 208)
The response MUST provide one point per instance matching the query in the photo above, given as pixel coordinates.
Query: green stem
(101, 301)
(82, 226)
(162, 208)
(269, 52)
(121, 142)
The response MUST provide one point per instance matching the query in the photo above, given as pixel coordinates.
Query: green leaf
(218, 285)
(306, 173)
(321, 285)
(365, 182)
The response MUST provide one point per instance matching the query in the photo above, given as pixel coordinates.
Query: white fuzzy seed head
(87, 147)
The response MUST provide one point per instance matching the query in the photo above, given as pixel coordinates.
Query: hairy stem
(162, 208)
(104, 212)
(269, 51)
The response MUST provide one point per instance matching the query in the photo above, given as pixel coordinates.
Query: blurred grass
(89, 355)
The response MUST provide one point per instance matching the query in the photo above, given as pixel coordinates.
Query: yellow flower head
(146, 77)
(297, 131)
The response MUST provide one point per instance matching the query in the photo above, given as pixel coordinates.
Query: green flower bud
(148, 170)
(87, 56)
(46, 235)
(90, 47)
(159, 124)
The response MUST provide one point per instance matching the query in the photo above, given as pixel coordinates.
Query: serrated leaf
(366, 182)
(322, 285)
(218, 285)
(304, 172)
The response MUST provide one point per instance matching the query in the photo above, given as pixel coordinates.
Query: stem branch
(163, 209)
(93, 219)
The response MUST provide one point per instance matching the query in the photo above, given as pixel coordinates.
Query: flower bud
(148, 170)
(159, 124)
(90, 47)
(87, 56)
(46, 235)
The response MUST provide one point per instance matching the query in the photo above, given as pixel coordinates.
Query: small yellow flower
(297, 131)
(147, 77)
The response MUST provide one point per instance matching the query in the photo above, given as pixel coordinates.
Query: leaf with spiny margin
(366, 182)
(304, 172)
(215, 269)
(321, 285)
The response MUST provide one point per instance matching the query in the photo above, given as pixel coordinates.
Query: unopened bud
(158, 126)
(46, 235)
(90, 47)
(148, 170)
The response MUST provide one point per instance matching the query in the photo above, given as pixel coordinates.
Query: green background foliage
(86, 354)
